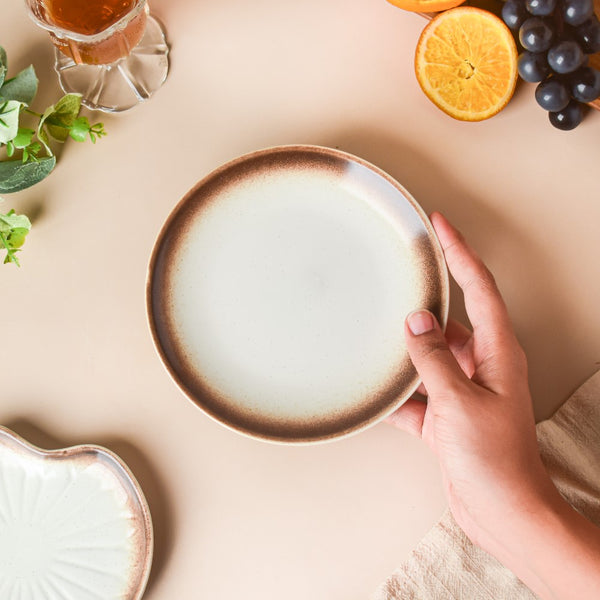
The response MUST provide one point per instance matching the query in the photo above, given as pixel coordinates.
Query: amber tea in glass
(94, 18)
(111, 51)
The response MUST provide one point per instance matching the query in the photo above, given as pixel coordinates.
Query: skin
(479, 421)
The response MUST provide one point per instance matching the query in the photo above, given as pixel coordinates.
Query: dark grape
(536, 35)
(588, 35)
(575, 12)
(565, 57)
(552, 94)
(540, 8)
(533, 66)
(585, 84)
(556, 42)
(567, 118)
(514, 14)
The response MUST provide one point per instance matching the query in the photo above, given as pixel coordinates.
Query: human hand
(478, 418)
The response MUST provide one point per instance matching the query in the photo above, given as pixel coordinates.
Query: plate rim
(151, 266)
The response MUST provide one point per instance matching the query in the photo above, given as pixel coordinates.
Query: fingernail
(420, 321)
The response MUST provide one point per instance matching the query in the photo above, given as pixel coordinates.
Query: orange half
(426, 6)
(466, 63)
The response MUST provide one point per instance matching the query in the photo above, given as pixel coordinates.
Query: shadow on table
(522, 267)
(153, 488)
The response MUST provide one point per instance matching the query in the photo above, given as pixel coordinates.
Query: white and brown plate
(278, 289)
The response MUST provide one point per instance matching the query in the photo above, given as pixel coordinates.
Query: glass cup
(114, 64)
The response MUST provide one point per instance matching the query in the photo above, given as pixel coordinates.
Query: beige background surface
(236, 518)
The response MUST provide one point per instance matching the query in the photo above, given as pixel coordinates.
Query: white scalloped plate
(74, 524)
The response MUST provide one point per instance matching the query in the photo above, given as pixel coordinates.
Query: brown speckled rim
(88, 453)
(275, 430)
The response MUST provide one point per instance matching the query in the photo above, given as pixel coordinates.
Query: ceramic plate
(278, 289)
(73, 524)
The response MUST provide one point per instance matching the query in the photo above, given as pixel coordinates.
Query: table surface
(235, 517)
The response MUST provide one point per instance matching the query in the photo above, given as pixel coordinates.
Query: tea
(91, 19)
(88, 18)
(111, 52)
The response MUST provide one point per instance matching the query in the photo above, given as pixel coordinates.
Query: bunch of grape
(556, 36)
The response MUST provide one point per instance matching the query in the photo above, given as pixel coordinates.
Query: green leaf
(15, 175)
(13, 221)
(21, 88)
(43, 137)
(58, 119)
(23, 137)
(34, 149)
(9, 120)
(10, 253)
(3, 59)
(13, 231)
(18, 235)
(80, 129)
(30, 152)
(97, 130)
(3, 65)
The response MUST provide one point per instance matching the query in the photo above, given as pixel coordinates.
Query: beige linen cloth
(446, 565)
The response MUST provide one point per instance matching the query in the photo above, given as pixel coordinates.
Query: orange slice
(426, 5)
(466, 63)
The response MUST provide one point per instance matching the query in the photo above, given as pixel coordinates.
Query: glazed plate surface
(278, 289)
(73, 524)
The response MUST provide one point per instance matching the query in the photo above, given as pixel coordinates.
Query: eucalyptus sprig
(13, 230)
(26, 139)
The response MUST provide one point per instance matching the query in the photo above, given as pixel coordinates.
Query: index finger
(483, 302)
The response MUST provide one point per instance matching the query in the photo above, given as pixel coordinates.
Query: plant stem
(11, 255)
(32, 112)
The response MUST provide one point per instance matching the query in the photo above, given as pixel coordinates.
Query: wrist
(553, 549)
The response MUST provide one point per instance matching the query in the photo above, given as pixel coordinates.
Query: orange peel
(426, 6)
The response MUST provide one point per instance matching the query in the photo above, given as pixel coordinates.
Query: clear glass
(114, 68)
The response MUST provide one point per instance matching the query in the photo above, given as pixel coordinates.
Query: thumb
(431, 355)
